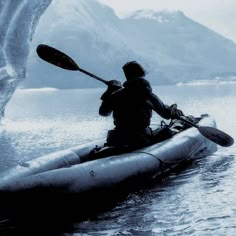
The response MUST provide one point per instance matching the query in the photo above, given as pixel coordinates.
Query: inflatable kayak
(77, 170)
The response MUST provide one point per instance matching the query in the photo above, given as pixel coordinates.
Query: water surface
(199, 200)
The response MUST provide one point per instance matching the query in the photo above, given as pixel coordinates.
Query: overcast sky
(219, 15)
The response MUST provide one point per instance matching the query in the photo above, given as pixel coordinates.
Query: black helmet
(133, 70)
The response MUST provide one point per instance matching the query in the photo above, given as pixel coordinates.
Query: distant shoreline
(216, 81)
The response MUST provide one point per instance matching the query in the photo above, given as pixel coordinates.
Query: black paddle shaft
(93, 76)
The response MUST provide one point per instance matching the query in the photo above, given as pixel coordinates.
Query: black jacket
(132, 105)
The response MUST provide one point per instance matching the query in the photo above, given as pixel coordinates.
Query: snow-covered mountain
(171, 46)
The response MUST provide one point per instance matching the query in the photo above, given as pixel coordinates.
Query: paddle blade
(56, 57)
(216, 136)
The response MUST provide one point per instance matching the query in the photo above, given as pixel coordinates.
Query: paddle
(60, 59)
(213, 134)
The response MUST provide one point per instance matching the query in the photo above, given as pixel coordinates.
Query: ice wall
(18, 19)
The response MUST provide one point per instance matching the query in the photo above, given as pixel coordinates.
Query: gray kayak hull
(66, 171)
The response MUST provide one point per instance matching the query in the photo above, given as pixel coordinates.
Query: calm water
(200, 200)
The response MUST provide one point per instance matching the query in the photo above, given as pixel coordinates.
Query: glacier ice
(18, 20)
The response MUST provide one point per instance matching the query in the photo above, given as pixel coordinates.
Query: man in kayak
(132, 107)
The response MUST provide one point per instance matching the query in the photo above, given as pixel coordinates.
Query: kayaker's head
(133, 70)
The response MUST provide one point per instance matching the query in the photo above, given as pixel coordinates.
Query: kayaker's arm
(159, 107)
(105, 109)
(106, 106)
(165, 111)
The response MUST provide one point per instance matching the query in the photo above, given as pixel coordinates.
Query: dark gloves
(175, 113)
(113, 85)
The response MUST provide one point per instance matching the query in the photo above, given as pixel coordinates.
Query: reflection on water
(199, 200)
(185, 204)
(25, 139)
